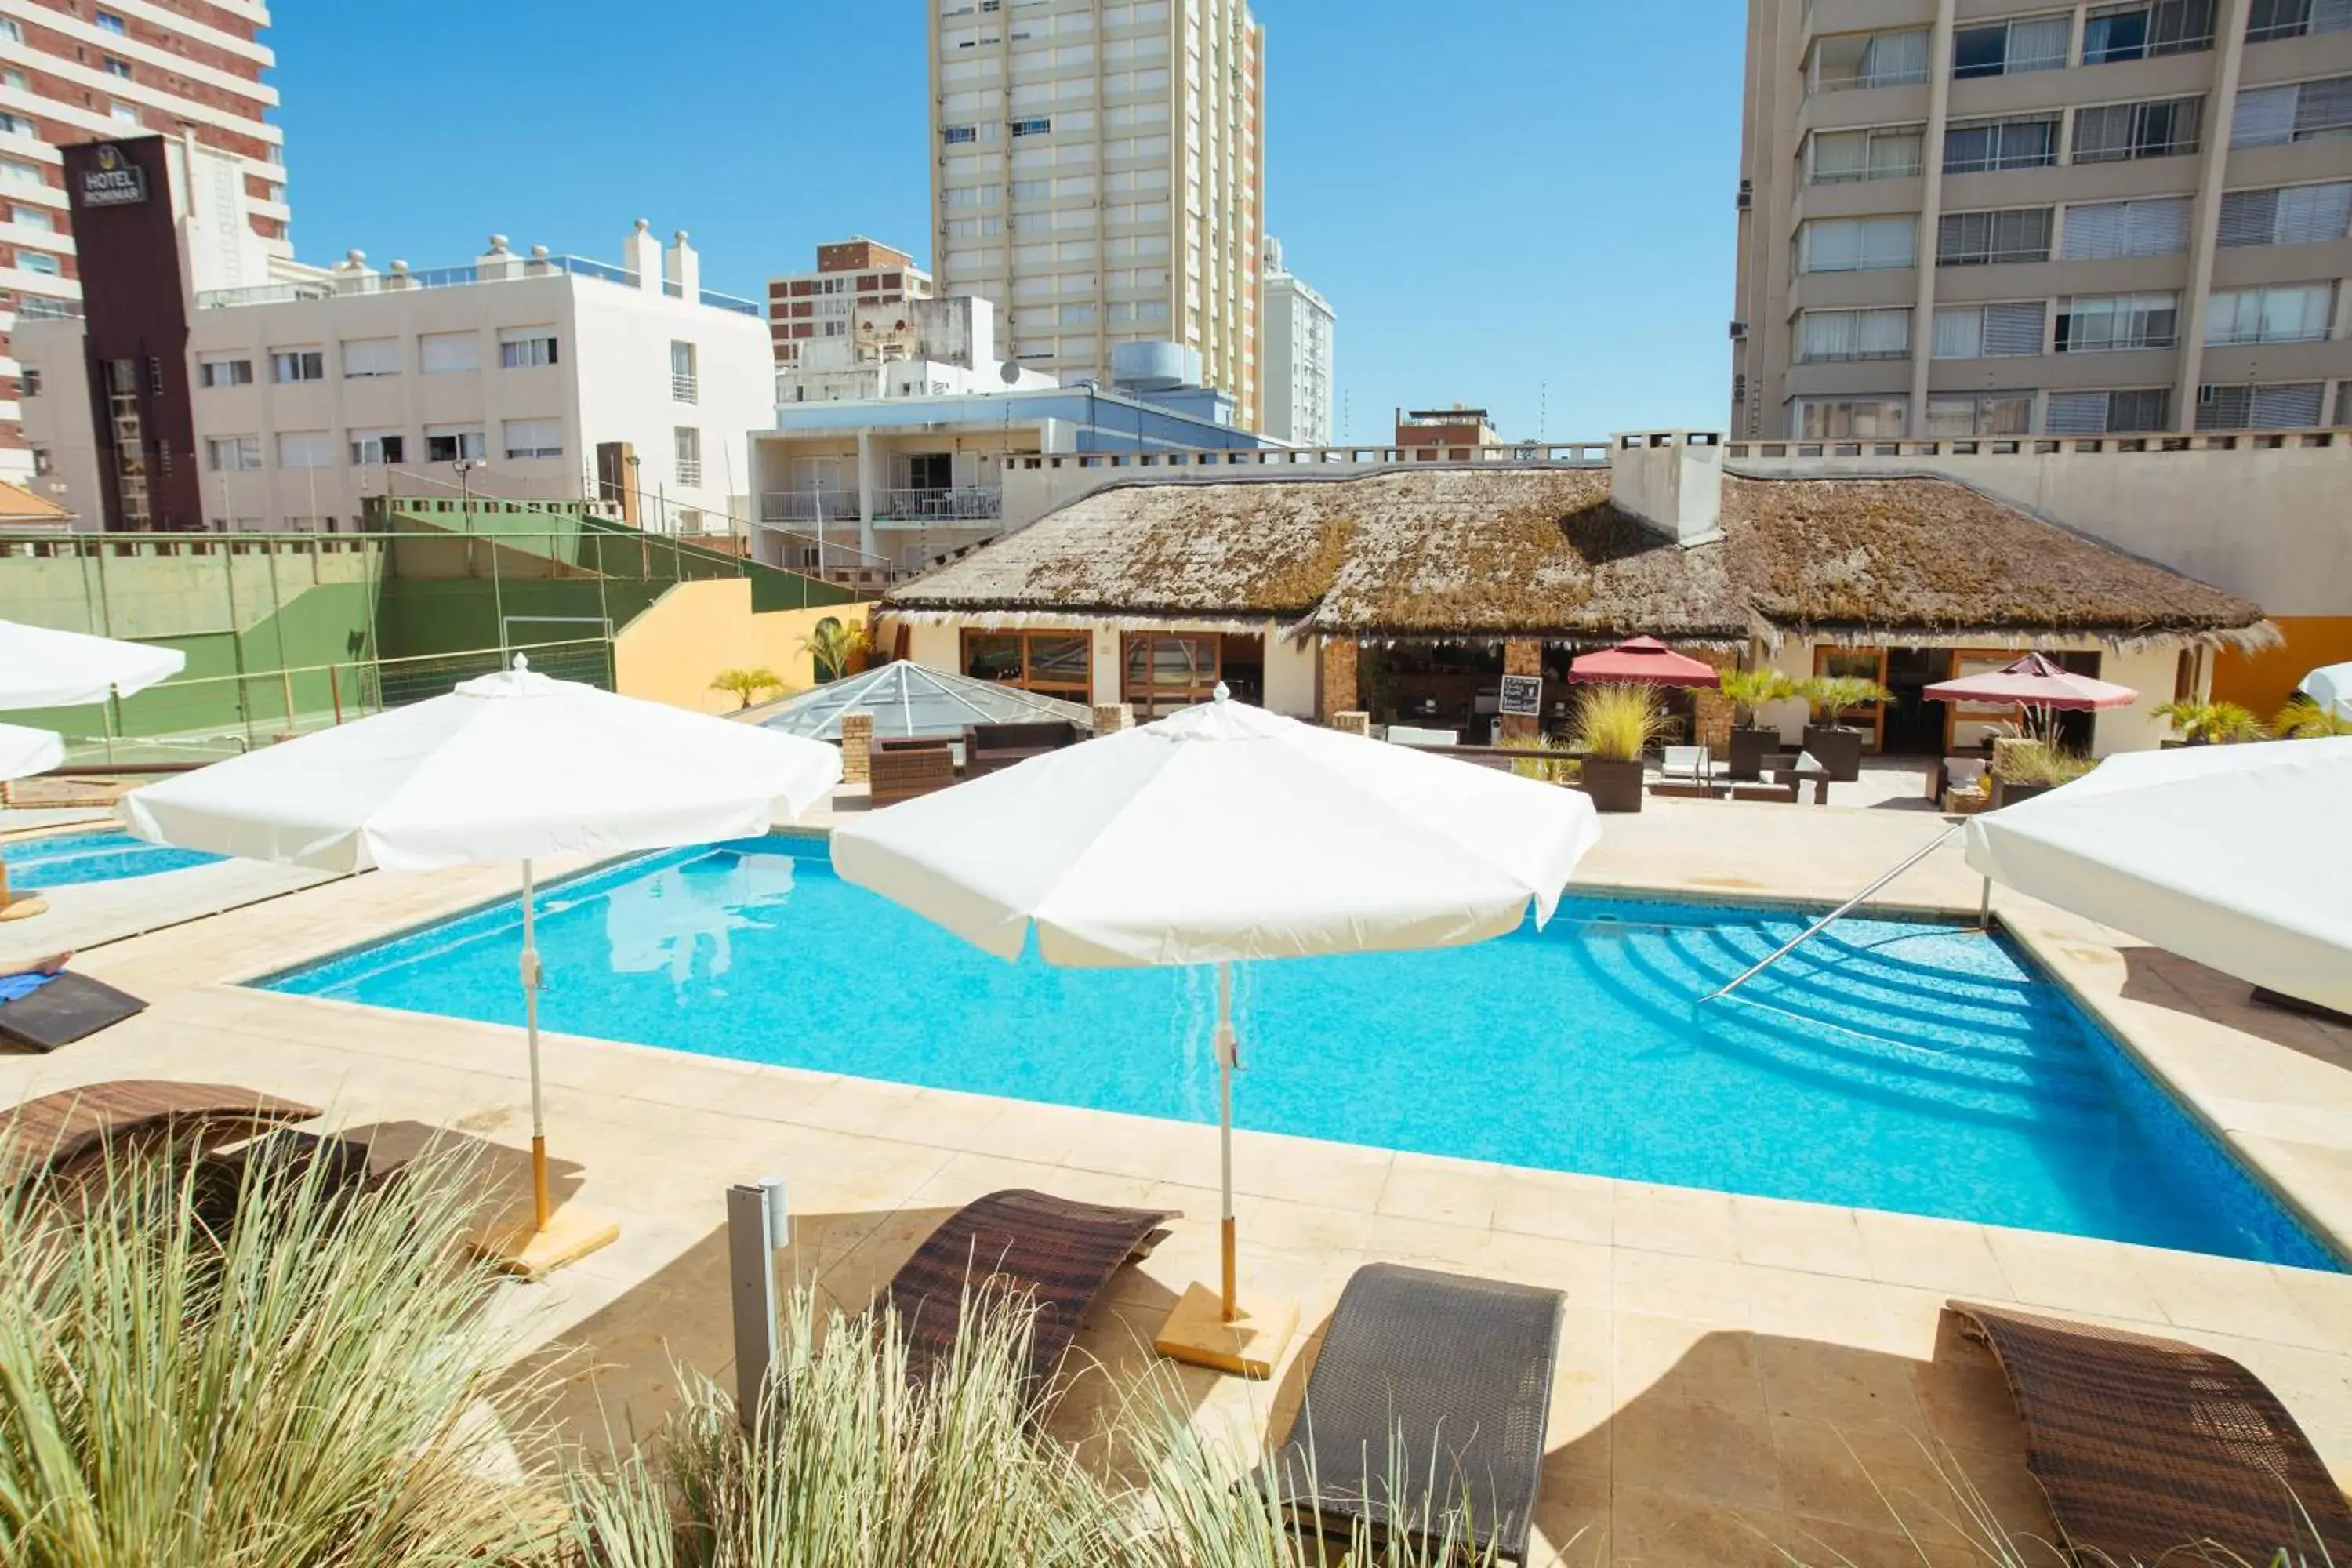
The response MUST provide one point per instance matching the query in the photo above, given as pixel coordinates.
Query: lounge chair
(44, 1007)
(2146, 1447)
(1455, 1371)
(1687, 764)
(59, 1130)
(1417, 735)
(1056, 1252)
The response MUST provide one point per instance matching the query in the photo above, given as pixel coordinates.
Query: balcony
(685, 388)
(949, 507)
(833, 505)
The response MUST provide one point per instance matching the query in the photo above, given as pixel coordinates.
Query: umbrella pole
(1228, 1058)
(541, 1208)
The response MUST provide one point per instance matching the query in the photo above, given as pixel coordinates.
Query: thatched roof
(1495, 550)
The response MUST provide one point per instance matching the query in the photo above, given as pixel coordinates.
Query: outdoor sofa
(988, 747)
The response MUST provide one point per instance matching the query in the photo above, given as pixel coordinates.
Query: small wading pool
(65, 858)
(1893, 1065)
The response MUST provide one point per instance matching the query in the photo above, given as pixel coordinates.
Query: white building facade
(550, 377)
(815, 307)
(1299, 326)
(67, 75)
(1100, 174)
(914, 348)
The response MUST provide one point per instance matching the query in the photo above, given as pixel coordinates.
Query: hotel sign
(115, 181)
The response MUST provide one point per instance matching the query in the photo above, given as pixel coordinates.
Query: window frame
(1028, 680)
(1992, 252)
(2256, 293)
(529, 348)
(2007, 27)
(308, 363)
(2067, 339)
(2051, 122)
(2138, 145)
(1914, 131)
(247, 449)
(1153, 699)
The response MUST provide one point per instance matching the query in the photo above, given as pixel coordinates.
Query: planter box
(1748, 749)
(2006, 794)
(1614, 786)
(1838, 749)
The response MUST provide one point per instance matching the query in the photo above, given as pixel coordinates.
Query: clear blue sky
(1532, 213)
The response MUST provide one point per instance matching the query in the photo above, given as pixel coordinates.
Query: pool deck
(1737, 1374)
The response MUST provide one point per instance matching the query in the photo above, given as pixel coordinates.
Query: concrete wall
(671, 652)
(1289, 676)
(1289, 668)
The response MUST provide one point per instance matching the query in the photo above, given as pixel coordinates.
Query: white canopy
(23, 752)
(2235, 857)
(513, 766)
(2331, 686)
(40, 667)
(1223, 833)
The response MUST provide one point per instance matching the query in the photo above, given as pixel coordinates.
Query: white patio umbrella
(2330, 686)
(23, 753)
(1224, 833)
(43, 667)
(511, 766)
(2236, 857)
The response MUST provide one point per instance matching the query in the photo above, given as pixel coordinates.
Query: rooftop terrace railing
(2047, 445)
(1572, 453)
(400, 277)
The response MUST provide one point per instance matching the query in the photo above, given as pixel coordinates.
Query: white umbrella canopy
(2235, 857)
(1224, 833)
(43, 667)
(511, 766)
(23, 752)
(2330, 686)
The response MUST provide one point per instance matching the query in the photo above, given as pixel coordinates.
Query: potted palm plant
(2024, 768)
(1833, 697)
(1614, 728)
(2211, 723)
(1747, 690)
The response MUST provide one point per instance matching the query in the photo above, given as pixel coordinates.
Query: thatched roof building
(1500, 551)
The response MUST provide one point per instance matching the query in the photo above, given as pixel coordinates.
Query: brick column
(856, 748)
(1112, 717)
(1338, 677)
(1358, 722)
(1522, 656)
(1711, 711)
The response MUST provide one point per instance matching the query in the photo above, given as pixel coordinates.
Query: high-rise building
(1297, 325)
(2010, 216)
(1099, 173)
(71, 73)
(819, 304)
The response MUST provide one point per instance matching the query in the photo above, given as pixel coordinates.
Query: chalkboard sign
(1523, 695)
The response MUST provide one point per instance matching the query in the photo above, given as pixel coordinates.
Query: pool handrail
(1818, 926)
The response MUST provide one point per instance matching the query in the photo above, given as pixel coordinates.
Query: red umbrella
(1645, 661)
(2034, 682)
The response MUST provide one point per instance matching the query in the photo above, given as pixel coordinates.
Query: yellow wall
(696, 629)
(2263, 682)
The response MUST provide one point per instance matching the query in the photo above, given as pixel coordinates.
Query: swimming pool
(105, 856)
(1901, 1066)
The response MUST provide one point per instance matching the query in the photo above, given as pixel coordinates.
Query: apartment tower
(2002, 217)
(71, 73)
(1299, 325)
(820, 304)
(1097, 173)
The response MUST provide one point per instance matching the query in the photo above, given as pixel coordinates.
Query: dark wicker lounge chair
(65, 1009)
(1058, 1252)
(1456, 1370)
(2148, 1447)
(904, 773)
(57, 1131)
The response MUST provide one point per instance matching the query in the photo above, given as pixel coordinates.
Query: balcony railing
(685, 388)
(831, 505)
(959, 503)
(47, 308)
(399, 278)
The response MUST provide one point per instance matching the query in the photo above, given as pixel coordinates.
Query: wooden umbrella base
(515, 1244)
(1197, 1334)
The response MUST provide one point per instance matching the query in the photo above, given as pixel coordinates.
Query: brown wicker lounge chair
(2148, 1447)
(1058, 1252)
(904, 773)
(55, 1131)
(1439, 1380)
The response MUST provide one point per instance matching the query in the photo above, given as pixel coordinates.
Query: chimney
(641, 256)
(1671, 480)
(682, 269)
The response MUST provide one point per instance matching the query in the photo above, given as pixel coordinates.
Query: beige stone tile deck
(1738, 1374)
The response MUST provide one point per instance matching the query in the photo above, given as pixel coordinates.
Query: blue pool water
(1887, 1065)
(103, 856)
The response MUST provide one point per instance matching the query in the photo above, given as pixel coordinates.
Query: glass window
(2099, 413)
(371, 357)
(298, 364)
(1990, 332)
(1054, 663)
(1981, 414)
(1974, 239)
(1167, 671)
(1869, 59)
(686, 449)
(2287, 215)
(2101, 323)
(1977, 146)
(2145, 28)
(374, 448)
(2107, 231)
(1853, 334)
(39, 261)
(2113, 132)
(223, 370)
(2268, 19)
(1857, 245)
(2294, 314)
(108, 22)
(226, 454)
(2285, 405)
(522, 347)
(1844, 418)
(2008, 49)
(534, 437)
(1886, 152)
(455, 442)
(439, 353)
(116, 68)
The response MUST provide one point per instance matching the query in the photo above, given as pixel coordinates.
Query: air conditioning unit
(1738, 332)
(1746, 194)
